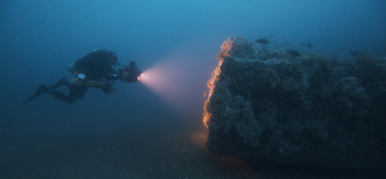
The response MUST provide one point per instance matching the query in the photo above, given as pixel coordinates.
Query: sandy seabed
(172, 150)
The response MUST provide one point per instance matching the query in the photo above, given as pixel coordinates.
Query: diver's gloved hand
(108, 89)
(113, 90)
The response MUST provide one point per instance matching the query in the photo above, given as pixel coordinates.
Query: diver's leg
(62, 97)
(61, 82)
(41, 89)
(58, 95)
(77, 92)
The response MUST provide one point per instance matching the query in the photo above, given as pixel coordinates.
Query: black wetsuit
(75, 91)
(96, 67)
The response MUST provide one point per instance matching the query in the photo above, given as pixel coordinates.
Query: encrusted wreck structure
(267, 105)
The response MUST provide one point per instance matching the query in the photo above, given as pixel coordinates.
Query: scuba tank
(72, 68)
(80, 78)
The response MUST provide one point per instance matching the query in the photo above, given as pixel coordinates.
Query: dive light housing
(133, 73)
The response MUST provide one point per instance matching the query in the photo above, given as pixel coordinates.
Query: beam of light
(160, 79)
(180, 77)
(176, 80)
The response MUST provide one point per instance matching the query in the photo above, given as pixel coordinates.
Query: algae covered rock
(265, 104)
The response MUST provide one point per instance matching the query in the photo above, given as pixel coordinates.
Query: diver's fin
(42, 88)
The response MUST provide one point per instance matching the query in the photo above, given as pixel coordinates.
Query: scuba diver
(92, 70)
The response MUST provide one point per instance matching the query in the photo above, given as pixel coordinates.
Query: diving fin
(42, 88)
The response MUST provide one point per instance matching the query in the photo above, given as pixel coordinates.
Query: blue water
(38, 39)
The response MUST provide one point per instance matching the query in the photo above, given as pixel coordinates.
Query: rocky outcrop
(265, 104)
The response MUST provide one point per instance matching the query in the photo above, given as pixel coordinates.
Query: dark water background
(38, 39)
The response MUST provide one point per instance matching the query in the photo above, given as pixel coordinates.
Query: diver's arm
(111, 75)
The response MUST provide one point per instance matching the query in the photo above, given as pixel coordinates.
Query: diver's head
(132, 64)
(112, 58)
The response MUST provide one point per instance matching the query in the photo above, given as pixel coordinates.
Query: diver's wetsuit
(92, 70)
(75, 91)
(96, 67)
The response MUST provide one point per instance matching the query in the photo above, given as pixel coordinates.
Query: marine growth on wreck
(270, 104)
